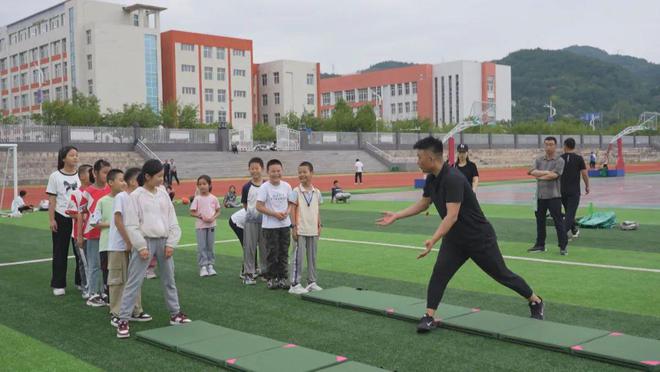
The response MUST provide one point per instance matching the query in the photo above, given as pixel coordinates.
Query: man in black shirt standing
(574, 167)
(464, 230)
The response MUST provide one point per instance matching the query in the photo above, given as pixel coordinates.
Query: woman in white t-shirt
(61, 184)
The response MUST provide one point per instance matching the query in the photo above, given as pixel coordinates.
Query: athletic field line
(570, 263)
(70, 257)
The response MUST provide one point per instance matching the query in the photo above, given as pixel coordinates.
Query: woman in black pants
(61, 184)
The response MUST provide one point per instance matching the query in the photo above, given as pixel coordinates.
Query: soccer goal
(9, 162)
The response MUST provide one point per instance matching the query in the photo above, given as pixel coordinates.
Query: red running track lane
(324, 182)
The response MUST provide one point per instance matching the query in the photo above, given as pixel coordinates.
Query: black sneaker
(426, 324)
(536, 249)
(283, 284)
(142, 317)
(273, 284)
(114, 320)
(536, 309)
(563, 251)
(576, 233)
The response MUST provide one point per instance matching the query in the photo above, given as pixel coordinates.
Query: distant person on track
(592, 160)
(173, 173)
(467, 167)
(359, 168)
(464, 230)
(574, 168)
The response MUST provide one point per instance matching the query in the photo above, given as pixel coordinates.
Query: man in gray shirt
(547, 170)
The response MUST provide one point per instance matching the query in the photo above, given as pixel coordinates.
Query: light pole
(379, 103)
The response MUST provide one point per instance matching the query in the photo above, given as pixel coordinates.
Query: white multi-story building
(95, 48)
(464, 88)
(287, 86)
(213, 73)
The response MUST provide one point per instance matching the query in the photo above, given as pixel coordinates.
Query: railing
(144, 150)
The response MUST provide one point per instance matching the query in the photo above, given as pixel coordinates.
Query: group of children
(117, 221)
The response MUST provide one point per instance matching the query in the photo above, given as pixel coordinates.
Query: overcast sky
(348, 35)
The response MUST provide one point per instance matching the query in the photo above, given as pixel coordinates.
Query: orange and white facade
(214, 73)
(91, 47)
(395, 94)
(286, 86)
(460, 86)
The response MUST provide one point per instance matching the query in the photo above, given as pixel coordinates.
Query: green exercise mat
(415, 311)
(486, 322)
(361, 298)
(629, 351)
(231, 345)
(174, 336)
(552, 335)
(290, 358)
(351, 366)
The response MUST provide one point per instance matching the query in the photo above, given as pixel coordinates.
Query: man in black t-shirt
(464, 230)
(574, 167)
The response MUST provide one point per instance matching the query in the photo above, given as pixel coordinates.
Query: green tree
(188, 116)
(342, 118)
(170, 114)
(263, 132)
(132, 114)
(291, 120)
(81, 110)
(365, 119)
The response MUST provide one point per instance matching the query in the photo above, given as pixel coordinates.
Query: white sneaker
(150, 274)
(59, 291)
(203, 272)
(313, 287)
(576, 234)
(298, 290)
(211, 270)
(85, 296)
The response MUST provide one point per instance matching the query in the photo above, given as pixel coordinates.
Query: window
(64, 70)
(264, 100)
(14, 60)
(14, 81)
(208, 117)
(46, 73)
(208, 73)
(414, 106)
(89, 62)
(240, 115)
(24, 100)
(350, 95)
(277, 118)
(392, 90)
(491, 84)
(339, 96)
(22, 58)
(240, 93)
(3, 64)
(63, 46)
(363, 95)
(222, 95)
(276, 98)
(220, 53)
(399, 89)
(4, 107)
(310, 99)
(451, 110)
(90, 85)
(34, 55)
(58, 70)
(393, 108)
(264, 79)
(187, 68)
(325, 114)
(414, 87)
(45, 95)
(407, 85)
(276, 77)
(24, 80)
(238, 52)
(407, 107)
(58, 94)
(208, 52)
(208, 95)
(88, 35)
(136, 20)
(220, 73)
(187, 47)
(188, 90)
(55, 45)
(2, 45)
(265, 118)
(442, 97)
(17, 102)
(239, 72)
(400, 106)
(222, 116)
(310, 79)
(3, 84)
(326, 98)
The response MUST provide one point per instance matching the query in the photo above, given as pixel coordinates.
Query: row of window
(33, 55)
(37, 76)
(208, 51)
(37, 28)
(276, 96)
(403, 89)
(209, 116)
(38, 97)
(453, 91)
(278, 118)
(220, 72)
(209, 95)
(399, 107)
(363, 94)
(276, 79)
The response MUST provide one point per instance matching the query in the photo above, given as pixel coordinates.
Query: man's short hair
(256, 160)
(569, 143)
(550, 138)
(429, 143)
(273, 162)
(113, 174)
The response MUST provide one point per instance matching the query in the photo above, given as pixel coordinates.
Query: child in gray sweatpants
(206, 209)
(153, 230)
